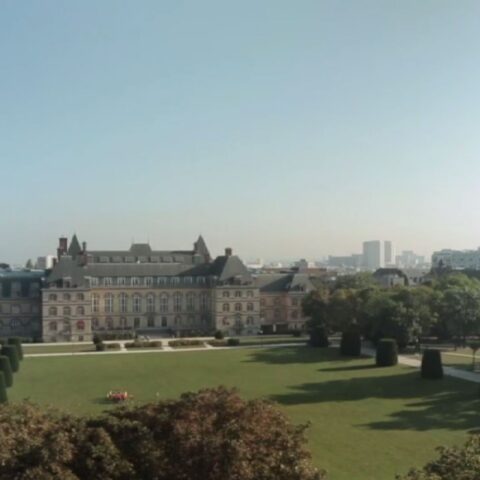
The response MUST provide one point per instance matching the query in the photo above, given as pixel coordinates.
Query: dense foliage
(454, 463)
(7, 370)
(387, 353)
(209, 435)
(11, 352)
(351, 343)
(432, 364)
(17, 342)
(448, 307)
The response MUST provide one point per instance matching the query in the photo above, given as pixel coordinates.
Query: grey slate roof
(74, 248)
(230, 268)
(284, 282)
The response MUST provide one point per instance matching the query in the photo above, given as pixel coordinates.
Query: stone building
(20, 302)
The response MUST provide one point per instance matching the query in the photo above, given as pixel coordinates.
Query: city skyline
(282, 130)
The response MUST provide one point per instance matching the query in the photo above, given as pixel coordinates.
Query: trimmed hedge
(17, 342)
(219, 335)
(185, 343)
(143, 344)
(387, 352)
(351, 344)
(218, 343)
(100, 346)
(432, 364)
(113, 346)
(3, 389)
(319, 337)
(6, 368)
(11, 352)
(233, 342)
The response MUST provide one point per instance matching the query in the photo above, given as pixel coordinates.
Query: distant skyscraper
(389, 253)
(372, 254)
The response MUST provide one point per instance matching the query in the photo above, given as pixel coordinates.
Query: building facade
(457, 259)
(20, 302)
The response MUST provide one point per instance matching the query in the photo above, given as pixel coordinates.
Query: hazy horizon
(281, 129)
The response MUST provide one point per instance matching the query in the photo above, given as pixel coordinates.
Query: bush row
(143, 344)
(102, 347)
(185, 343)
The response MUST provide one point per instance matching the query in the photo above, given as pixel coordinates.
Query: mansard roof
(229, 268)
(286, 282)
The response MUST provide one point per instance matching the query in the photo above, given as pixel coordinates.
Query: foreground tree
(454, 463)
(210, 435)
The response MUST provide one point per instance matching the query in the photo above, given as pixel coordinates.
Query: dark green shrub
(319, 337)
(432, 364)
(96, 339)
(185, 343)
(297, 333)
(351, 344)
(11, 352)
(218, 343)
(17, 342)
(113, 346)
(233, 342)
(6, 368)
(219, 335)
(100, 347)
(3, 388)
(387, 352)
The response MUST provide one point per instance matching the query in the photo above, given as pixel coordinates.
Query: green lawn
(366, 423)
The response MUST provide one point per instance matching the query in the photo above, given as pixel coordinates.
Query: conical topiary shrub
(11, 352)
(432, 364)
(319, 337)
(3, 389)
(17, 342)
(6, 368)
(387, 353)
(351, 344)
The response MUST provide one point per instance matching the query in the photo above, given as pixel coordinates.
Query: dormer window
(148, 281)
(107, 281)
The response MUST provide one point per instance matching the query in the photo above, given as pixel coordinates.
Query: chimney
(228, 252)
(84, 247)
(62, 247)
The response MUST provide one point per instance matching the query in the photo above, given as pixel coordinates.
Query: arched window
(148, 281)
(203, 301)
(66, 296)
(238, 294)
(150, 302)
(226, 307)
(249, 320)
(80, 296)
(81, 325)
(52, 311)
(178, 320)
(249, 294)
(250, 307)
(164, 303)
(190, 301)
(226, 294)
(123, 302)
(137, 303)
(67, 311)
(80, 310)
(238, 307)
(52, 326)
(95, 323)
(95, 303)
(225, 321)
(177, 302)
(108, 303)
(52, 297)
(109, 323)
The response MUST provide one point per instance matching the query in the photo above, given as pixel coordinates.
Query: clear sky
(280, 128)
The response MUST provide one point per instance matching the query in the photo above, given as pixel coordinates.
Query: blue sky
(283, 129)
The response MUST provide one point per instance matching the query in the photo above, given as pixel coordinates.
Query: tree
(210, 435)
(29, 264)
(474, 346)
(453, 463)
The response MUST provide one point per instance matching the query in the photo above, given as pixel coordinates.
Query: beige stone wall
(237, 309)
(66, 315)
(282, 310)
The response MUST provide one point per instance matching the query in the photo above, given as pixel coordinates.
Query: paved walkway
(415, 363)
(163, 349)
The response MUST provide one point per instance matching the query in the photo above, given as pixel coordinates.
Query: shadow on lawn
(446, 403)
(304, 354)
(349, 368)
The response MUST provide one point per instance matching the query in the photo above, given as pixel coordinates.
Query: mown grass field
(367, 423)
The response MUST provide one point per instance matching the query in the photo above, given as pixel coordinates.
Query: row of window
(15, 322)
(123, 302)
(238, 307)
(53, 326)
(53, 297)
(278, 301)
(237, 321)
(25, 288)
(237, 294)
(124, 323)
(16, 309)
(146, 281)
(67, 311)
